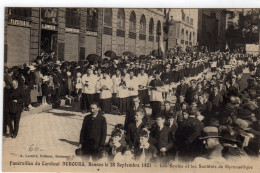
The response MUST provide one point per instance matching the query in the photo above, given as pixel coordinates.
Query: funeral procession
(131, 85)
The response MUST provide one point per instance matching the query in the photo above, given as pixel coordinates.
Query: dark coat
(93, 132)
(150, 153)
(216, 101)
(19, 95)
(187, 137)
(130, 116)
(163, 137)
(182, 89)
(132, 133)
(189, 131)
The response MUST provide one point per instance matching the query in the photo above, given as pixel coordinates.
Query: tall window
(191, 21)
(92, 19)
(132, 24)
(151, 27)
(190, 40)
(193, 37)
(142, 25)
(182, 34)
(188, 19)
(159, 27)
(121, 19)
(108, 17)
(73, 17)
(20, 13)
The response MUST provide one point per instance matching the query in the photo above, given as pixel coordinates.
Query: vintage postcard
(131, 89)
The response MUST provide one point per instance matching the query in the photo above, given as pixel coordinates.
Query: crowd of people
(194, 114)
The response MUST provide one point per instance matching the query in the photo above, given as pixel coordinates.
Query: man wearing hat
(211, 143)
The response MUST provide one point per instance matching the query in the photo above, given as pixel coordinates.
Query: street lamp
(159, 50)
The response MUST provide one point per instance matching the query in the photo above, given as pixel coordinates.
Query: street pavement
(55, 131)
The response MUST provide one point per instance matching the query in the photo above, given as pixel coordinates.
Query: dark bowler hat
(210, 132)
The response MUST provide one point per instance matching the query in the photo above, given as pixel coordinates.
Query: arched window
(182, 36)
(159, 27)
(121, 19)
(142, 25)
(190, 37)
(132, 24)
(194, 38)
(92, 19)
(151, 27)
(108, 17)
(187, 36)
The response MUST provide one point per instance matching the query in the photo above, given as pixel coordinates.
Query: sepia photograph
(100, 89)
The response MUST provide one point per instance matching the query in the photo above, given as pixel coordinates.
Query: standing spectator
(130, 114)
(89, 81)
(163, 136)
(156, 94)
(142, 87)
(16, 98)
(105, 85)
(93, 133)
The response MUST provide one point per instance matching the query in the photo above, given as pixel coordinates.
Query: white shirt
(132, 83)
(143, 80)
(105, 94)
(91, 82)
(116, 81)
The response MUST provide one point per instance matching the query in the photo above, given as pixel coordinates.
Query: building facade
(211, 29)
(183, 26)
(74, 33)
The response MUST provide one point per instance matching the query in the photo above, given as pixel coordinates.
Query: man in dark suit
(187, 136)
(134, 129)
(93, 133)
(217, 101)
(163, 136)
(145, 152)
(130, 114)
(16, 100)
(182, 88)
